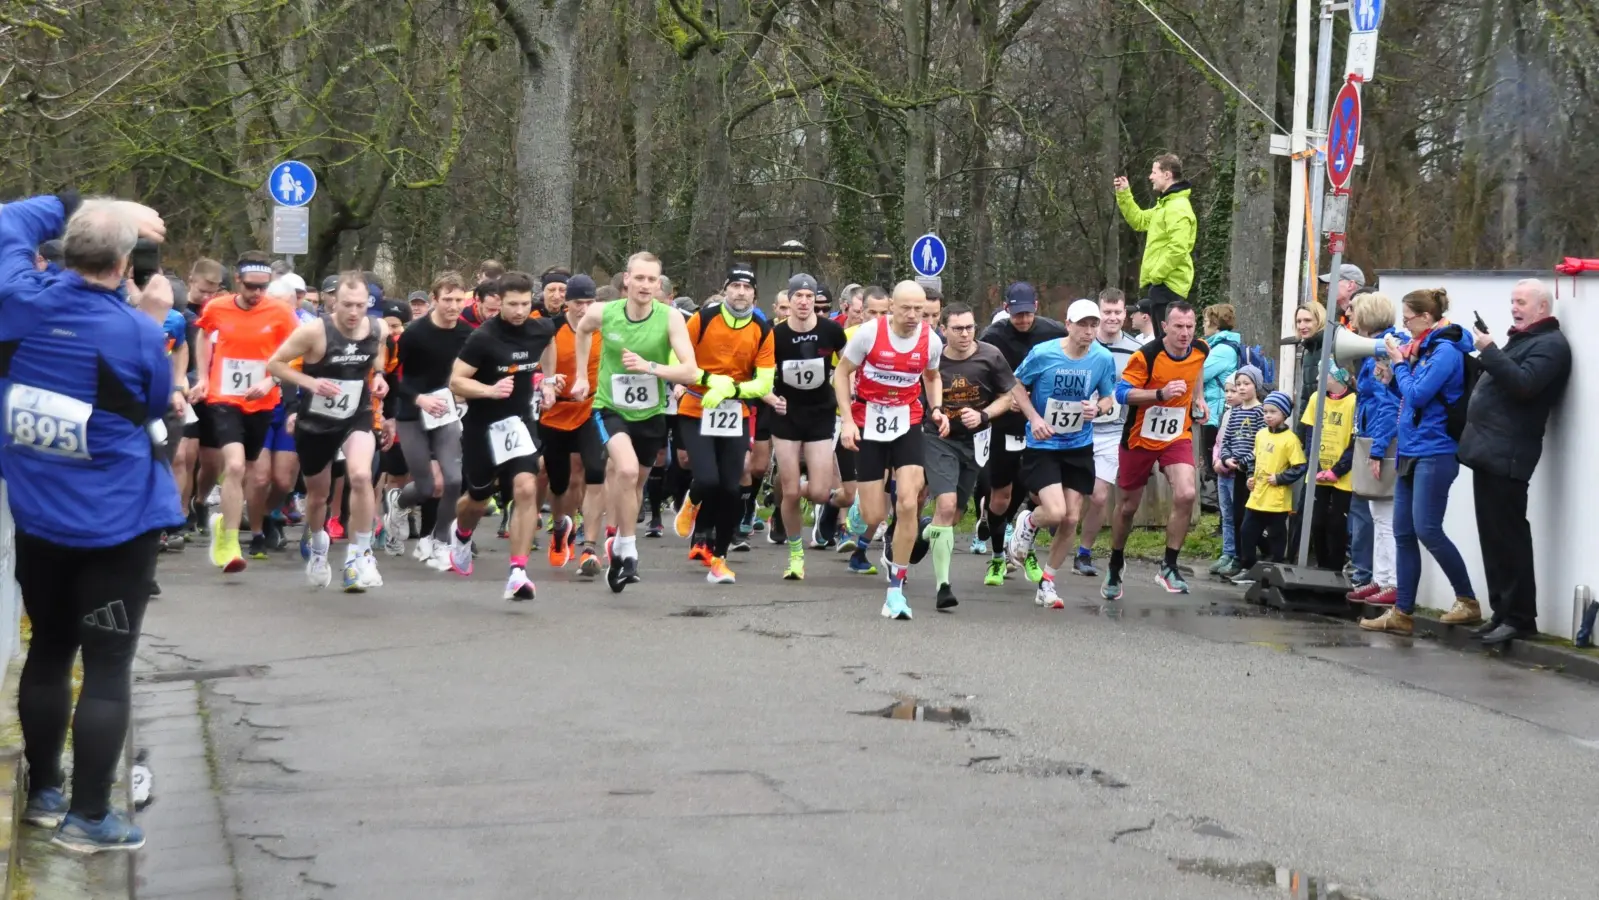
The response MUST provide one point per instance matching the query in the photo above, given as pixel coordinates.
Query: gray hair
(1540, 291)
(99, 237)
(281, 290)
(666, 286)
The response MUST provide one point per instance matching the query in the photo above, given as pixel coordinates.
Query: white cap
(294, 281)
(1082, 309)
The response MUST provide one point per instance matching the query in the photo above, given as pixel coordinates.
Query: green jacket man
(1167, 269)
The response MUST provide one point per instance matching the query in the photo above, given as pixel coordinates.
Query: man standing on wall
(1166, 273)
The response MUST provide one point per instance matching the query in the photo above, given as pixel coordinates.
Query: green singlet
(650, 339)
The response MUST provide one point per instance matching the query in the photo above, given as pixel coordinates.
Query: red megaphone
(1571, 265)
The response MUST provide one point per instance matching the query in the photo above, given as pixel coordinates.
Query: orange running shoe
(684, 523)
(560, 543)
(719, 573)
(700, 553)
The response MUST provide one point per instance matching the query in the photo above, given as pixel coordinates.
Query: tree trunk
(642, 74)
(1250, 272)
(1110, 139)
(546, 34)
(713, 189)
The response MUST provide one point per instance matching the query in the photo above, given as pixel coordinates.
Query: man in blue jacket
(86, 382)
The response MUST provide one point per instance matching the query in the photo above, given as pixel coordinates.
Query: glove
(717, 389)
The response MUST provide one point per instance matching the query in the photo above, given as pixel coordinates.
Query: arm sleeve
(1137, 218)
(24, 225)
(1346, 460)
(1137, 372)
(399, 385)
(158, 367)
(1548, 362)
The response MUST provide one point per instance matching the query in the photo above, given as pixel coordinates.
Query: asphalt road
(430, 740)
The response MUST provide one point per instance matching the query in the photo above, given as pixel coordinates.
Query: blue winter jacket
(1223, 360)
(1426, 386)
(82, 373)
(1376, 407)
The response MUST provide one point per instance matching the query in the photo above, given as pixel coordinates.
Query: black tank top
(346, 362)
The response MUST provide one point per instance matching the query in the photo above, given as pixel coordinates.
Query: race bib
(190, 417)
(1064, 416)
(339, 455)
(340, 406)
(536, 405)
(1015, 443)
(47, 421)
(239, 375)
(1114, 414)
(671, 403)
(509, 439)
(1164, 423)
(725, 419)
(451, 411)
(635, 391)
(982, 443)
(805, 374)
(886, 423)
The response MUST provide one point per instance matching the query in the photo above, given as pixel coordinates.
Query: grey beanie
(1253, 373)
(801, 282)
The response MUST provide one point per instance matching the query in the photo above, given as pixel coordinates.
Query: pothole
(696, 612)
(1265, 874)
(912, 710)
(1052, 768)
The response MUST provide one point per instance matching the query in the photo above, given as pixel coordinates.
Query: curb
(11, 775)
(1543, 651)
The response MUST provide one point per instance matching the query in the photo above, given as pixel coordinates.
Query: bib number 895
(46, 433)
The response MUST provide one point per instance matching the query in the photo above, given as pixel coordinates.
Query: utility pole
(1298, 144)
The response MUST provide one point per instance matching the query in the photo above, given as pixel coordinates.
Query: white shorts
(1107, 453)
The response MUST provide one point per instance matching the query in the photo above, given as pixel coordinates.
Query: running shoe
(654, 530)
(1084, 565)
(920, 547)
(1035, 572)
(1172, 580)
(1112, 588)
(615, 575)
(859, 564)
(757, 524)
(824, 531)
(393, 543)
(1046, 596)
(113, 831)
(719, 573)
(258, 547)
(335, 529)
(1020, 544)
(368, 564)
(442, 560)
(352, 576)
(684, 523)
(796, 563)
(423, 551)
(775, 532)
(740, 544)
(460, 553)
(700, 553)
(980, 546)
(215, 497)
(318, 573)
(895, 607)
(519, 586)
(856, 524)
(396, 519)
(996, 573)
(1245, 579)
(171, 542)
(276, 540)
(580, 537)
(587, 563)
(46, 808)
(946, 597)
(219, 541)
(305, 544)
(560, 545)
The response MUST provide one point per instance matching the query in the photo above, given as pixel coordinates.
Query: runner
(741, 284)
(428, 418)
(485, 305)
(340, 372)
(1060, 386)
(494, 374)
(891, 360)
(804, 347)
(1161, 381)
(242, 332)
(734, 362)
(977, 386)
(569, 432)
(1016, 335)
(628, 406)
(278, 466)
(194, 468)
(1108, 427)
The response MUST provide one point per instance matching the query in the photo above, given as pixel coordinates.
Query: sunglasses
(253, 286)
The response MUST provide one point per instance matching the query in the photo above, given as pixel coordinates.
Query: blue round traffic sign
(1343, 135)
(928, 255)
(291, 183)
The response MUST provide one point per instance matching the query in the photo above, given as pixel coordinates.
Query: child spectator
(1279, 462)
(1234, 457)
(1334, 483)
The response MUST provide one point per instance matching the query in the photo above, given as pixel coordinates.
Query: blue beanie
(1282, 401)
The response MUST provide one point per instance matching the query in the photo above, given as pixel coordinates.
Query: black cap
(741, 273)
(51, 251)
(1021, 298)
(580, 287)
(330, 284)
(824, 295)
(394, 309)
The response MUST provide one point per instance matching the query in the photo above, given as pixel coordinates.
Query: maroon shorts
(1136, 465)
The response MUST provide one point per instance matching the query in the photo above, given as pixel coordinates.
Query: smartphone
(1481, 325)
(146, 261)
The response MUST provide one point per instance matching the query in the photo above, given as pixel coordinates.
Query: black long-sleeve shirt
(427, 354)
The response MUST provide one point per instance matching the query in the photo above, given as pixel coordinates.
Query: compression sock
(1171, 559)
(941, 544)
(1118, 561)
(655, 492)
(519, 562)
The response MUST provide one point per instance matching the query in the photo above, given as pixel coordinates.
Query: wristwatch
(652, 367)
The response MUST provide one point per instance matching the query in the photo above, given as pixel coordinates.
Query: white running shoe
(393, 544)
(460, 553)
(317, 572)
(368, 564)
(440, 562)
(215, 497)
(423, 551)
(1021, 541)
(1046, 596)
(396, 520)
(519, 587)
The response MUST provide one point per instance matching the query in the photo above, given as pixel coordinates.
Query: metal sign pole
(1313, 452)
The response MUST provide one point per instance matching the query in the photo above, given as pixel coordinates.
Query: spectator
(1429, 377)
(490, 270)
(1371, 528)
(1501, 444)
(1234, 456)
(1279, 462)
(1335, 462)
(1167, 269)
(1226, 355)
(1350, 282)
(1310, 322)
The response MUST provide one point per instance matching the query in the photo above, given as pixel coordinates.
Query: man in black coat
(1502, 441)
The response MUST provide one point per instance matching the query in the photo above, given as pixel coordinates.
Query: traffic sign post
(291, 183)
(1343, 134)
(291, 231)
(929, 255)
(1365, 16)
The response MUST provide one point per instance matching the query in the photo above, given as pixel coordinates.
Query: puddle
(696, 612)
(1297, 885)
(1051, 768)
(910, 710)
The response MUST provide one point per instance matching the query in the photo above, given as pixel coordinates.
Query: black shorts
(1004, 462)
(846, 460)
(223, 423)
(878, 459)
(764, 415)
(319, 449)
(192, 429)
(1073, 470)
(559, 446)
(480, 477)
(647, 435)
(808, 426)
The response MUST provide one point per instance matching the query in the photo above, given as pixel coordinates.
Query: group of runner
(529, 393)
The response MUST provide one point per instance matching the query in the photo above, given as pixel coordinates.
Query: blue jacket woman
(1429, 377)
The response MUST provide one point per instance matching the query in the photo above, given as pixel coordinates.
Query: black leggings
(718, 467)
(1330, 540)
(93, 599)
(1262, 530)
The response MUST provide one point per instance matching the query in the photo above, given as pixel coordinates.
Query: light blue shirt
(1049, 374)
